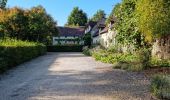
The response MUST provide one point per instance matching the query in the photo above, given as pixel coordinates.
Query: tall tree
(98, 15)
(77, 18)
(126, 25)
(153, 18)
(32, 25)
(3, 4)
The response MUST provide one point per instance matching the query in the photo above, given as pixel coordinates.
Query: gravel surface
(71, 76)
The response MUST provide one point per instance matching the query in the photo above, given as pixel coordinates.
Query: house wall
(96, 40)
(108, 39)
(65, 40)
(161, 48)
(88, 29)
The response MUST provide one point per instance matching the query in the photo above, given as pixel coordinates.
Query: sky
(60, 9)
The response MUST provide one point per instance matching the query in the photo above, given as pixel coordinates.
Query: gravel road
(71, 76)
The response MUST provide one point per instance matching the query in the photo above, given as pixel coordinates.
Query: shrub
(159, 62)
(132, 62)
(87, 39)
(144, 55)
(160, 86)
(14, 52)
(86, 51)
(113, 49)
(65, 48)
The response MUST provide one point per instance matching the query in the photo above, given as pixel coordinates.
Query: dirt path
(71, 76)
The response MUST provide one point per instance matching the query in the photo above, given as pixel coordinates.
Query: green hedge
(65, 48)
(13, 52)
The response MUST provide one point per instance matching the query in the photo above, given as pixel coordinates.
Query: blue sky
(60, 9)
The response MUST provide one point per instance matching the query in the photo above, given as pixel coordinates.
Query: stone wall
(161, 47)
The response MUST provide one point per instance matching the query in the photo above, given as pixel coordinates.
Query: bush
(87, 39)
(65, 48)
(160, 63)
(160, 86)
(113, 49)
(86, 51)
(127, 61)
(14, 52)
(144, 55)
(139, 60)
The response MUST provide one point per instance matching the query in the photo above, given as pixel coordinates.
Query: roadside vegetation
(137, 61)
(24, 34)
(160, 86)
(139, 23)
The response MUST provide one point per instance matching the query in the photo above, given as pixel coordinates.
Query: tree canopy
(77, 18)
(153, 17)
(32, 25)
(3, 4)
(98, 15)
(126, 24)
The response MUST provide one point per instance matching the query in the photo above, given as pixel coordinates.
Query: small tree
(87, 39)
(77, 18)
(99, 15)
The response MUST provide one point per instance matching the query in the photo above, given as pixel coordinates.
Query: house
(108, 36)
(89, 26)
(95, 32)
(69, 36)
(101, 33)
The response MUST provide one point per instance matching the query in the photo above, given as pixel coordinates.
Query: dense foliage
(32, 25)
(3, 4)
(98, 15)
(127, 61)
(77, 18)
(87, 39)
(14, 52)
(160, 86)
(126, 25)
(140, 21)
(153, 18)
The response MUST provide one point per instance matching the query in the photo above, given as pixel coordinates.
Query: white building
(69, 36)
(107, 36)
(101, 33)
